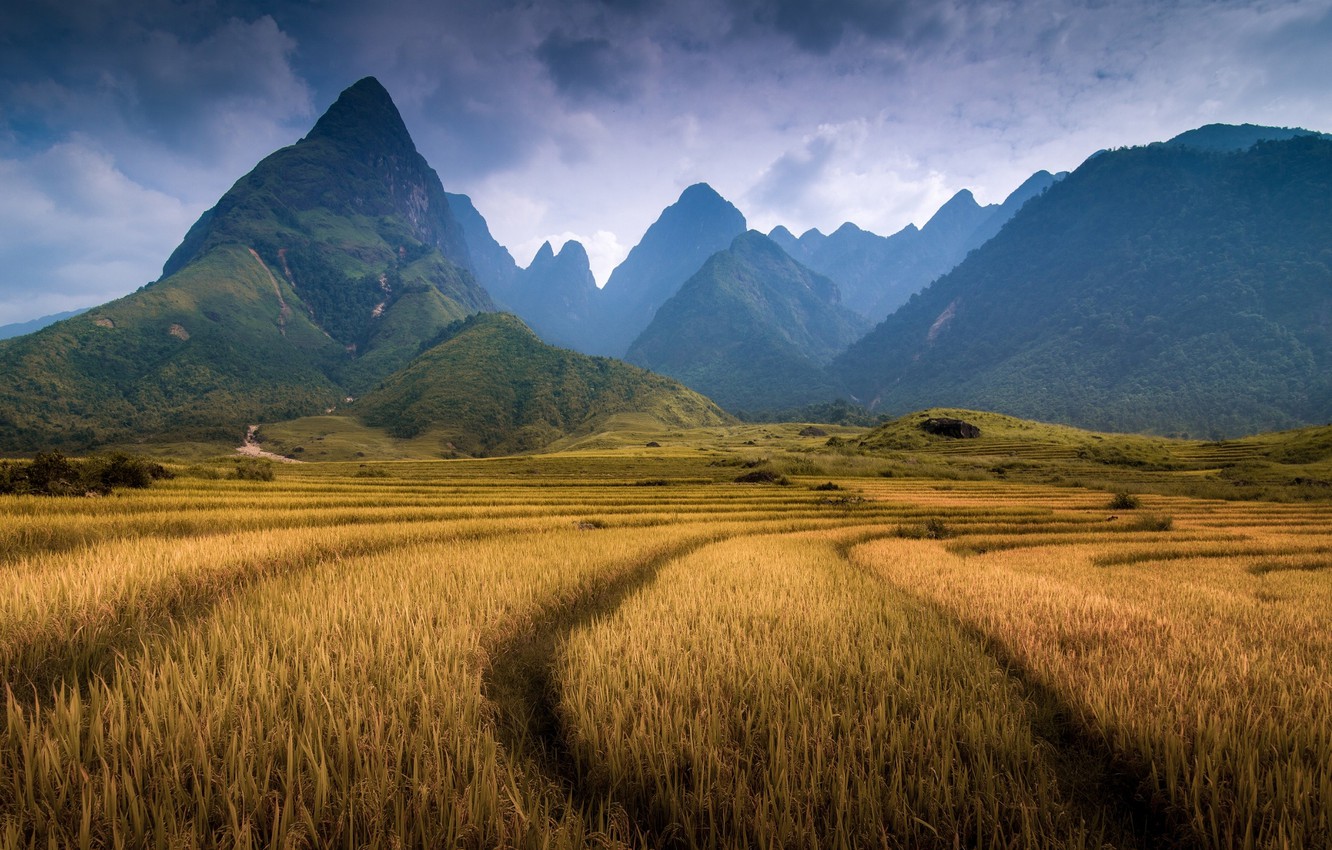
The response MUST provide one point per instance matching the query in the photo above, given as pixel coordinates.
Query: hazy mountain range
(1185, 286)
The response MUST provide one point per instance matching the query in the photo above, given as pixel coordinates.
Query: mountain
(752, 329)
(20, 328)
(491, 263)
(556, 293)
(314, 277)
(1167, 288)
(876, 274)
(491, 386)
(1237, 137)
(689, 231)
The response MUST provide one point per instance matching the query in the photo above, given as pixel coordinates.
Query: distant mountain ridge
(33, 325)
(1234, 138)
(1171, 288)
(877, 274)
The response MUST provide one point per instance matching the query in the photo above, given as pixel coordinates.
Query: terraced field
(625, 650)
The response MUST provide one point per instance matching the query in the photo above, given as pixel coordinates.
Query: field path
(250, 448)
(519, 682)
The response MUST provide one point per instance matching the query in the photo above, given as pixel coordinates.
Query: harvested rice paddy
(588, 650)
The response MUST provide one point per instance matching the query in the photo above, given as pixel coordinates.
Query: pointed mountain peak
(1030, 188)
(963, 200)
(544, 256)
(847, 229)
(364, 115)
(780, 233)
(700, 193)
(573, 252)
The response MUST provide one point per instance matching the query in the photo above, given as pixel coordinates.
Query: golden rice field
(548, 652)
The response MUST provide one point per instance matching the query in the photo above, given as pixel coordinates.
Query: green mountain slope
(222, 342)
(491, 386)
(751, 330)
(1165, 288)
(315, 276)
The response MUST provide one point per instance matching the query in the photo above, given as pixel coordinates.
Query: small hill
(751, 330)
(314, 277)
(1010, 437)
(1167, 289)
(491, 386)
(677, 244)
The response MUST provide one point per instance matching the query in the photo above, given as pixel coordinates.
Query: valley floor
(630, 650)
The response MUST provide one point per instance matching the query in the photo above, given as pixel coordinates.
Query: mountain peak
(573, 252)
(544, 255)
(364, 114)
(701, 193)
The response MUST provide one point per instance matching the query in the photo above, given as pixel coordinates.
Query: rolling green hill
(315, 276)
(491, 386)
(1169, 289)
(751, 330)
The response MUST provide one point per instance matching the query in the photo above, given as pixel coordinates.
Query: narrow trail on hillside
(521, 683)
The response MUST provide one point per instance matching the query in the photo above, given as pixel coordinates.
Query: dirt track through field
(520, 679)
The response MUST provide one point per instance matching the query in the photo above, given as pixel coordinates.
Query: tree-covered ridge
(1165, 288)
(491, 386)
(751, 330)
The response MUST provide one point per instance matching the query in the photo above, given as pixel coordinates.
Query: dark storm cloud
(819, 26)
(160, 71)
(591, 67)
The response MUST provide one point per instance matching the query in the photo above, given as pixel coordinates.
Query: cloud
(215, 93)
(585, 68)
(78, 232)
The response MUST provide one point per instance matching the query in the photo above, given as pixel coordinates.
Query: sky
(121, 122)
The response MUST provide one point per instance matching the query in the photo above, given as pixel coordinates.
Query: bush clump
(1151, 522)
(1124, 502)
(53, 474)
(762, 476)
(932, 529)
(253, 469)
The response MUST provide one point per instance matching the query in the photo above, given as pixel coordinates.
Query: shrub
(827, 485)
(122, 470)
(53, 474)
(1151, 522)
(932, 529)
(762, 476)
(1124, 502)
(253, 469)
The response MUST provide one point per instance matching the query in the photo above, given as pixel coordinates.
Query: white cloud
(78, 232)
